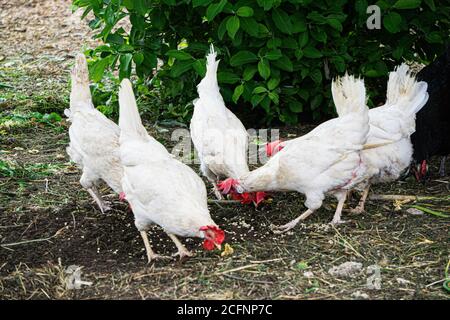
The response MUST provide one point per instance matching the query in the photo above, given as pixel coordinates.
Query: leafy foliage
(277, 57)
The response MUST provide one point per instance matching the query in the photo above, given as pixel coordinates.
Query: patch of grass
(29, 171)
(14, 120)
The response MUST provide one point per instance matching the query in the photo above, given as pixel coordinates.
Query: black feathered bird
(432, 136)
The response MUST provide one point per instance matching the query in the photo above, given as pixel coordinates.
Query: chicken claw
(182, 251)
(103, 205)
(151, 255)
(288, 226)
(360, 207)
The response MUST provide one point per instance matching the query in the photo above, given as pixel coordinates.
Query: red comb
(219, 237)
(226, 185)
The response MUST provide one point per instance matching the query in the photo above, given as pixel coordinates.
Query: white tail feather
(129, 119)
(80, 92)
(349, 95)
(403, 90)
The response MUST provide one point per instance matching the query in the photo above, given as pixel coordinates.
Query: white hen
(94, 139)
(391, 127)
(159, 188)
(218, 135)
(326, 160)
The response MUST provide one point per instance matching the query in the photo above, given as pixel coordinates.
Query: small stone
(402, 281)
(308, 274)
(349, 269)
(360, 295)
(414, 211)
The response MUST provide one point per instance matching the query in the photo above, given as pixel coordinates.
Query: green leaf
(335, 23)
(273, 83)
(222, 28)
(259, 89)
(138, 58)
(244, 11)
(201, 3)
(311, 52)
(125, 65)
(273, 43)
(316, 101)
(304, 94)
(243, 57)
(295, 106)
(237, 92)
(274, 97)
(303, 39)
(97, 69)
(430, 4)
(318, 34)
(266, 4)
(407, 4)
(298, 23)
(282, 21)
(249, 72)
(433, 37)
(316, 76)
(227, 77)
(125, 48)
(392, 22)
(264, 68)
(256, 99)
(250, 26)
(200, 67)
(284, 63)
(140, 6)
(214, 9)
(114, 38)
(232, 26)
(181, 67)
(339, 63)
(273, 54)
(179, 54)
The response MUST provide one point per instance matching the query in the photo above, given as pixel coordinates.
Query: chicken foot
(103, 205)
(182, 251)
(362, 201)
(340, 206)
(151, 255)
(288, 226)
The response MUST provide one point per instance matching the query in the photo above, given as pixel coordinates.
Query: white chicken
(326, 160)
(159, 188)
(94, 139)
(218, 135)
(391, 127)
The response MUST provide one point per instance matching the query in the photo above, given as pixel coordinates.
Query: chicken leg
(151, 255)
(288, 226)
(103, 205)
(337, 214)
(362, 201)
(182, 251)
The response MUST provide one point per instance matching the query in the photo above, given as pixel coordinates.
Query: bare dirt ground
(48, 223)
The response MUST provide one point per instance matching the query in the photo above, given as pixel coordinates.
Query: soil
(48, 222)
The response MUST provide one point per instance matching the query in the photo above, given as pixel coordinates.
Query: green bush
(277, 57)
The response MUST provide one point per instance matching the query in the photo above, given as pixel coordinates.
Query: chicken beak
(218, 246)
